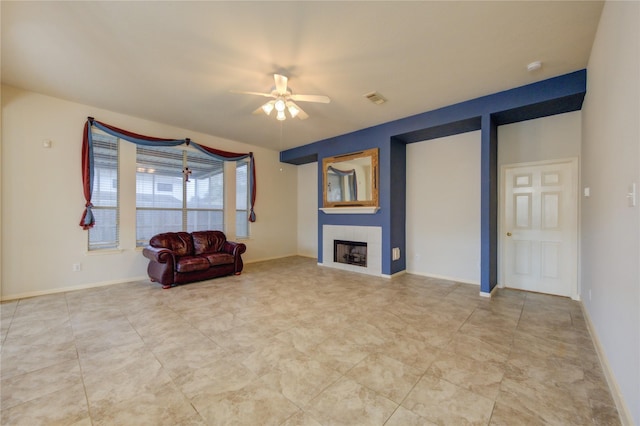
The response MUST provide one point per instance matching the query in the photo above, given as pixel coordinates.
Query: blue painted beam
(488, 204)
(435, 132)
(556, 95)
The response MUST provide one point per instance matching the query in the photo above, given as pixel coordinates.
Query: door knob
(508, 234)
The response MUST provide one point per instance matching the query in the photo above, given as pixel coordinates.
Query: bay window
(179, 186)
(177, 189)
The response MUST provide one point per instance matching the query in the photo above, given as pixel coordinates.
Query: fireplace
(369, 235)
(350, 252)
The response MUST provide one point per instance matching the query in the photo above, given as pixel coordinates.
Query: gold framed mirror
(351, 180)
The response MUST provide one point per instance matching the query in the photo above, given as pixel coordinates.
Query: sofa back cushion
(208, 241)
(180, 243)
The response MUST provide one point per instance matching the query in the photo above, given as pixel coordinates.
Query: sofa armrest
(158, 254)
(235, 249)
(161, 265)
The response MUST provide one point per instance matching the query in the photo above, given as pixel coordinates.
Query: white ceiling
(176, 62)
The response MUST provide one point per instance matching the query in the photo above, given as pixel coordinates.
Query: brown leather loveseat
(182, 257)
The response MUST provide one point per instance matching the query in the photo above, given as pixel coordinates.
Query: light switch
(631, 195)
(587, 192)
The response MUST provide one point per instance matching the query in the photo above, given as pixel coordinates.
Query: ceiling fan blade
(311, 98)
(302, 115)
(265, 108)
(242, 92)
(281, 83)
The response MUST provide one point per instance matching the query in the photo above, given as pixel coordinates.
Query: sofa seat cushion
(192, 263)
(216, 259)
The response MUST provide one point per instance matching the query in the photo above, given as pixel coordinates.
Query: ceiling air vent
(376, 98)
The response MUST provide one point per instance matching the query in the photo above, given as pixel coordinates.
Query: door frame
(573, 162)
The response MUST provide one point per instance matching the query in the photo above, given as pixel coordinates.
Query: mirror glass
(351, 179)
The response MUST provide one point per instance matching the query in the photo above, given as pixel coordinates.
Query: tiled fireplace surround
(372, 235)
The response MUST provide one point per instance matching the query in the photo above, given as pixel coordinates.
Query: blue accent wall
(556, 95)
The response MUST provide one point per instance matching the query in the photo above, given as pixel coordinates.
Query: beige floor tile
(340, 353)
(554, 405)
(303, 337)
(66, 406)
(444, 403)
(478, 350)
(483, 378)
(409, 350)
(504, 415)
(253, 404)
(29, 386)
(301, 419)
(224, 375)
(300, 379)
(18, 360)
(387, 376)
(404, 417)
(113, 386)
(161, 405)
(347, 403)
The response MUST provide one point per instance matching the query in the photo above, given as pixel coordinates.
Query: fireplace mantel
(349, 210)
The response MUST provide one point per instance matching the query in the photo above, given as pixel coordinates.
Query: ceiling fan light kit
(283, 99)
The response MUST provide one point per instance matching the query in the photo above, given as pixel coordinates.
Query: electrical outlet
(395, 253)
(76, 267)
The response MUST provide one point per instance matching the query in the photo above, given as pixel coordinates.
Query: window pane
(105, 192)
(205, 220)
(152, 222)
(205, 189)
(242, 223)
(104, 234)
(158, 177)
(242, 199)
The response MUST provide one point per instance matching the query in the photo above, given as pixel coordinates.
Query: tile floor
(292, 343)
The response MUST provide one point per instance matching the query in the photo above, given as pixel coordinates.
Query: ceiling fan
(282, 99)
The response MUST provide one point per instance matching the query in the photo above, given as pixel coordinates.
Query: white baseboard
(70, 288)
(264, 259)
(623, 410)
(443, 277)
(394, 275)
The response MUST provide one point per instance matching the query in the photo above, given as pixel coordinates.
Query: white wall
(610, 228)
(443, 208)
(308, 210)
(42, 198)
(548, 138)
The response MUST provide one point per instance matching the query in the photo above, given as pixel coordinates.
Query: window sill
(350, 210)
(106, 251)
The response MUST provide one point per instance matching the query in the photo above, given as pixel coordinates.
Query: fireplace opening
(350, 252)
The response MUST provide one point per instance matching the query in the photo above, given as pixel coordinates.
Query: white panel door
(539, 239)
